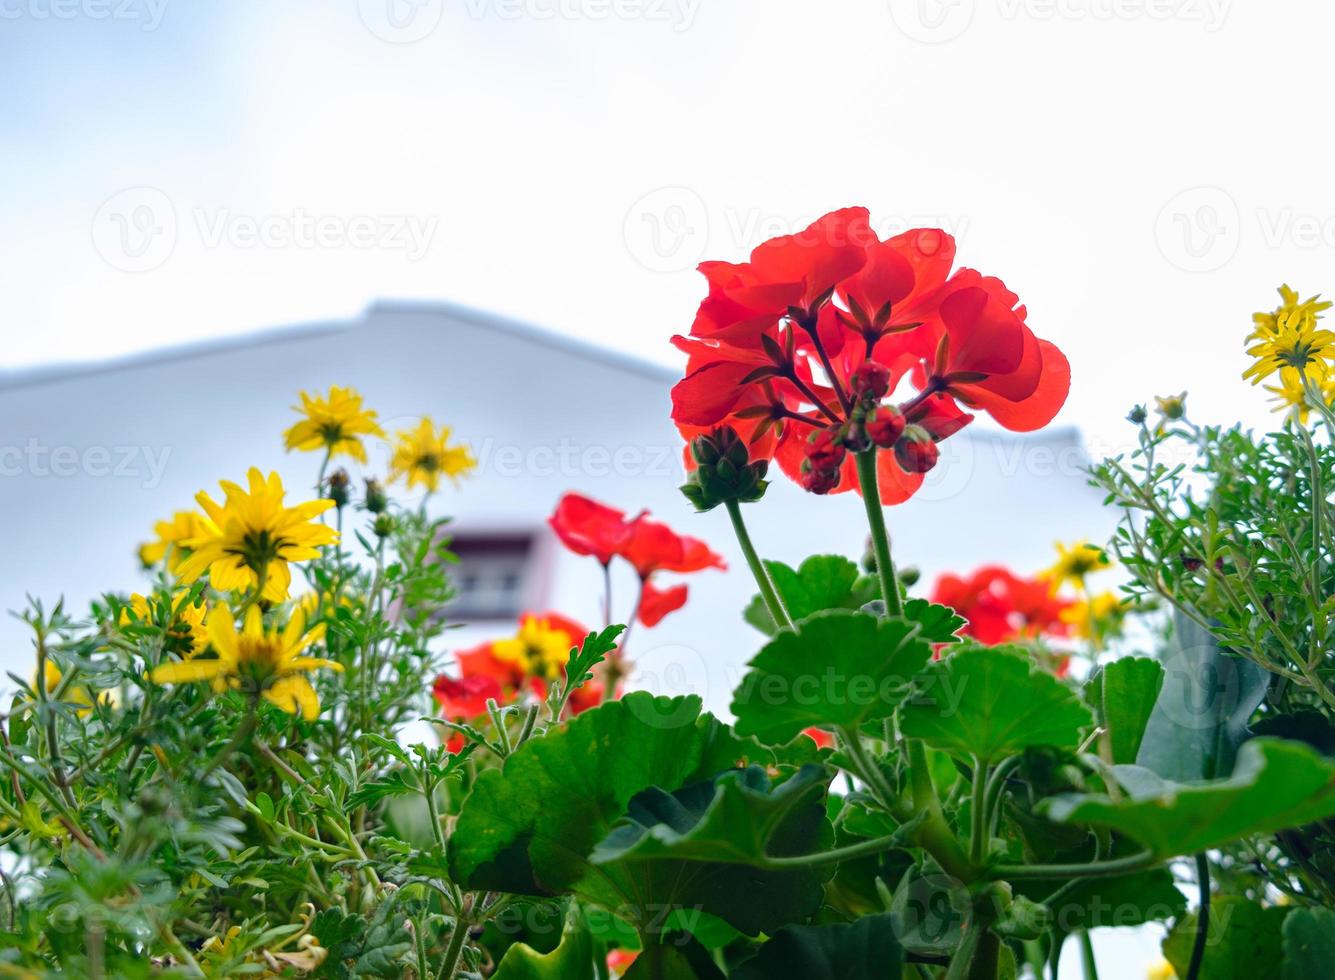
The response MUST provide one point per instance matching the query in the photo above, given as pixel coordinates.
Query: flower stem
(880, 538)
(767, 591)
(1202, 918)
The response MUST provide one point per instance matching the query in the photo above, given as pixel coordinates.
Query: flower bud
(870, 380)
(383, 526)
(885, 425)
(915, 450)
(817, 479)
(724, 471)
(825, 449)
(1137, 415)
(338, 483)
(376, 501)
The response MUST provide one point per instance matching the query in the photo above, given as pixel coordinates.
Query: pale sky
(1142, 172)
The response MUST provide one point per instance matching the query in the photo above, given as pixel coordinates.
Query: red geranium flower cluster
(1002, 607)
(588, 527)
(507, 670)
(799, 348)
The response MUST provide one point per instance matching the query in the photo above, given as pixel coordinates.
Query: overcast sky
(1142, 172)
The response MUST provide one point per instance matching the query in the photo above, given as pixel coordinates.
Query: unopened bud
(885, 425)
(376, 501)
(338, 483)
(870, 380)
(915, 450)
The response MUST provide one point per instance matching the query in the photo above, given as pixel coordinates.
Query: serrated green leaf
(863, 950)
(821, 582)
(705, 846)
(1276, 784)
(839, 668)
(990, 702)
(529, 827)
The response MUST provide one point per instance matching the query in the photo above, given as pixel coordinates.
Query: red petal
(1041, 406)
(657, 603)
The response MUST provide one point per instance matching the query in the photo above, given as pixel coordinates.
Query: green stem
(964, 952)
(880, 538)
(242, 734)
(1091, 967)
(985, 956)
(449, 965)
(847, 853)
(978, 824)
(429, 791)
(1202, 919)
(767, 591)
(1096, 869)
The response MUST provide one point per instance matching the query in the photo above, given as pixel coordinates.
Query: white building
(92, 455)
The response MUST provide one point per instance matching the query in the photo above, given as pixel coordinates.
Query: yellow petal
(188, 671)
(294, 695)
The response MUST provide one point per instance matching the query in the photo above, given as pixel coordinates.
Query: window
(494, 576)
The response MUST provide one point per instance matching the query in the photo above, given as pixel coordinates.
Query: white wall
(544, 415)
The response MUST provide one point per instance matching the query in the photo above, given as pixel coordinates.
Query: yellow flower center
(258, 658)
(538, 648)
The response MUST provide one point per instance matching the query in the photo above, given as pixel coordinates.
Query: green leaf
(1122, 900)
(1242, 942)
(704, 847)
(1123, 694)
(863, 950)
(571, 960)
(989, 702)
(839, 668)
(821, 582)
(936, 623)
(1201, 715)
(676, 958)
(1276, 784)
(1309, 944)
(529, 826)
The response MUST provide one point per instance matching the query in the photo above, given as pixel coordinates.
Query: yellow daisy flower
(1097, 616)
(251, 537)
(539, 648)
(185, 627)
(423, 454)
(1074, 562)
(1290, 341)
(1291, 395)
(335, 423)
(256, 660)
(173, 540)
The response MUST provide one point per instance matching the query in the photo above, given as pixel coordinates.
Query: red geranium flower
(511, 668)
(653, 546)
(588, 527)
(779, 340)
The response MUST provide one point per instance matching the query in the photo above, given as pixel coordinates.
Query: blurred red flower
(1001, 606)
(588, 527)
